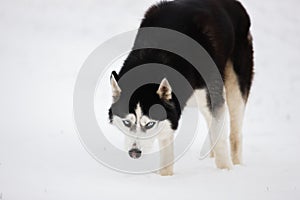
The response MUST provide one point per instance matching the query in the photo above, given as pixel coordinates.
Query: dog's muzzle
(135, 153)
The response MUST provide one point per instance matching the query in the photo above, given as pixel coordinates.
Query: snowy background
(42, 47)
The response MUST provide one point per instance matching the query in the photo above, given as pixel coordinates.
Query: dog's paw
(237, 160)
(224, 164)
(167, 171)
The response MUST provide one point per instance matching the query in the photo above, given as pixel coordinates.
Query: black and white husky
(222, 28)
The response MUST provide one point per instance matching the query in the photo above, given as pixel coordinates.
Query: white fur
(164, 90)
(166, 155)
(215, 124)
(141, 139)
(221, 149)
(166, 146)
(139, 113)
(236, 106)
(201, 102)
(116, 90)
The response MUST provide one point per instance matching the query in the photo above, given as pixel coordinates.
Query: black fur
(220, 26)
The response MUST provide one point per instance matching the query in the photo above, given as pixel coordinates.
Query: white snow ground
(42, 47)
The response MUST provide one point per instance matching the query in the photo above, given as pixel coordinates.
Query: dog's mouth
(135, 153)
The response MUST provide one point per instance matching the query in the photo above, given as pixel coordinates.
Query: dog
(221, 27)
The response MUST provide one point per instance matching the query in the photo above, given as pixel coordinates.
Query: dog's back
(220, 26)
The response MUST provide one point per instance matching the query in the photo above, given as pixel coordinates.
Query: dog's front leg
(166, 154)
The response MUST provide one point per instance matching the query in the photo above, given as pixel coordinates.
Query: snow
(42, 47)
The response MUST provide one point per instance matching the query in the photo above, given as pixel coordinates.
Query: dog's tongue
(133, 155)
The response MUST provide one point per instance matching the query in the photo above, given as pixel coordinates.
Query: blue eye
(150, 125)
(127, 123)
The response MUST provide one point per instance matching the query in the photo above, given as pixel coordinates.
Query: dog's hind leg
(238, 81)
(236, 105)
(201, 99)
(215, 112)
(219, 135)
(218, 129)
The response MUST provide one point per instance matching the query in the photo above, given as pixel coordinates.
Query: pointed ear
(164, 90)
(116, 90)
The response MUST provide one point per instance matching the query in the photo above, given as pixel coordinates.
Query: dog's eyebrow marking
(138, 112)
(144, 120)
(131, 117)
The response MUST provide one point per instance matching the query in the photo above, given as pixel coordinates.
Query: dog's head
(149, 112)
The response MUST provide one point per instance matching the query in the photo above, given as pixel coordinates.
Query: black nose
(135, 153)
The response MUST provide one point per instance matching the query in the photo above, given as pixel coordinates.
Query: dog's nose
(135, 153)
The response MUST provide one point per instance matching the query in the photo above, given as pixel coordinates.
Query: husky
(221, 27)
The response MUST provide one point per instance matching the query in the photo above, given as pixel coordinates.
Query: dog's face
(147, 113)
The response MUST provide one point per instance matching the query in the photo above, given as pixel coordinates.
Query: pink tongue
(134, 155)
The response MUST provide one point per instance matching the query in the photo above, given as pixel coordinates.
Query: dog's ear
(116, 90)
(164, 90)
